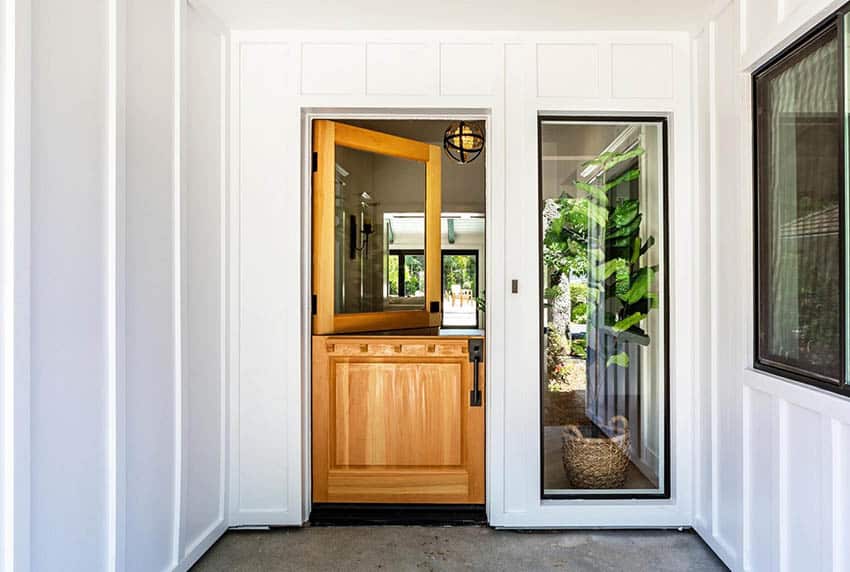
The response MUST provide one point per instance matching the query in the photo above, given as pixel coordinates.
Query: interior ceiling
(463, 14)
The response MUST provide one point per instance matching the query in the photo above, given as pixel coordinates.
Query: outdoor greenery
(598, 236)
(578, 302)
(459, 269)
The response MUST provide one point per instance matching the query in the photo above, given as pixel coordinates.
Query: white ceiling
(463, 14)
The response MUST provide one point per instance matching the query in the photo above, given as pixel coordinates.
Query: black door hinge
(313, 303)
(315, 161)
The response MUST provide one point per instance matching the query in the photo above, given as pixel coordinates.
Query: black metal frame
(666, 490)
(786, 371)
(461, 252)
(443, 252)
(401, 253)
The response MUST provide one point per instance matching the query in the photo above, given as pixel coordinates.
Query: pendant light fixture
(463, 142)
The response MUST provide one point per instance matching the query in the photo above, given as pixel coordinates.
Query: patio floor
(468, 548)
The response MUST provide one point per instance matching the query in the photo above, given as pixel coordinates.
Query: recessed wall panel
(761, 487)
(568, 70)
(401, 69)
(642, 71)
(467, 69)
(802, 466)
(332, 69)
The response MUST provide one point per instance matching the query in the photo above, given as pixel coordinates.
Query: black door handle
(476, 351)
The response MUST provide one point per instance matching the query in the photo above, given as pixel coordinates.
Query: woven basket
(597, 462)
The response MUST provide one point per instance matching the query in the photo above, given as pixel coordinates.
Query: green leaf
(624, 213)
(596, 193)
(630, 175)
(635, 250)
(628, 322)
(612, 266)
(620, 360)
(597, 214)
(647, 245)
(641, 282)
(627, 230)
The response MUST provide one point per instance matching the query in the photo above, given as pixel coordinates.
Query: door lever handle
(476, 352)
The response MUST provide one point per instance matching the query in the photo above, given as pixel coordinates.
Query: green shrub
(578, 302)
(578, 348)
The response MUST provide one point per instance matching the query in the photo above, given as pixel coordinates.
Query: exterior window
(799, 207)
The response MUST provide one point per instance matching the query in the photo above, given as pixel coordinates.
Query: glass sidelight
(604, 379)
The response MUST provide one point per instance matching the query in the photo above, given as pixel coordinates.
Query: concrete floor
(466, 548)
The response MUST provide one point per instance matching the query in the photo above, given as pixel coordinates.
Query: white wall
(113, 450)
(279, 76)
(771, 454)
(203, 278)
(73, 281)
(151, 459)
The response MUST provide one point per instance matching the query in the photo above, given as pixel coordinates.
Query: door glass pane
(604, 379)
(799, 162)
(380, 203)
(460, 289)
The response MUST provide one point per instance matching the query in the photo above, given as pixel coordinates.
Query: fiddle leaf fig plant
(600, 235)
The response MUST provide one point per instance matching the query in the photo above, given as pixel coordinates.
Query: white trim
(8, 503)
(223, 507)
(233, 292)
(177, 293)
(15, 62)
(115, 288)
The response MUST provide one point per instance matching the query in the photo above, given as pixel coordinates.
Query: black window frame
(787, 372)
(401, 253)
(460, 252)
(665, 492)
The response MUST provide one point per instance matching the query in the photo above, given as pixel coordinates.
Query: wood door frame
(308, 115)
(327, 135)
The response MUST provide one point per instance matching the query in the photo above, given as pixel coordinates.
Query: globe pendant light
(463, 142)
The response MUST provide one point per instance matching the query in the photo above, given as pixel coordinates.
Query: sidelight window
(603, 317)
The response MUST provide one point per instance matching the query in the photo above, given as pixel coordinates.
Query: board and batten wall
(772, 455)
(283, 78)
(113, 450)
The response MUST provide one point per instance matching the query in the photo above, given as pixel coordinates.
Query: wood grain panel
(397, 414)
(392, 420)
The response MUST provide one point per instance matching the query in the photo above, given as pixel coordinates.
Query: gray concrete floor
(466, 548)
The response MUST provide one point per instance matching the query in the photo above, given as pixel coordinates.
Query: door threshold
(372, 514)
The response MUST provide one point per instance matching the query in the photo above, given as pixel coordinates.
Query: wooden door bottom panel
(399, 486)
(393, 422)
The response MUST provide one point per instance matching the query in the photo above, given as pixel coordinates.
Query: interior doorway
(398, 376)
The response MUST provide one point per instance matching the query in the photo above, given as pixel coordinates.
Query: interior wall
(283, 75)
(772, 454)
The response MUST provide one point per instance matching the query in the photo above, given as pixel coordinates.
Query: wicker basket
(597, 462)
